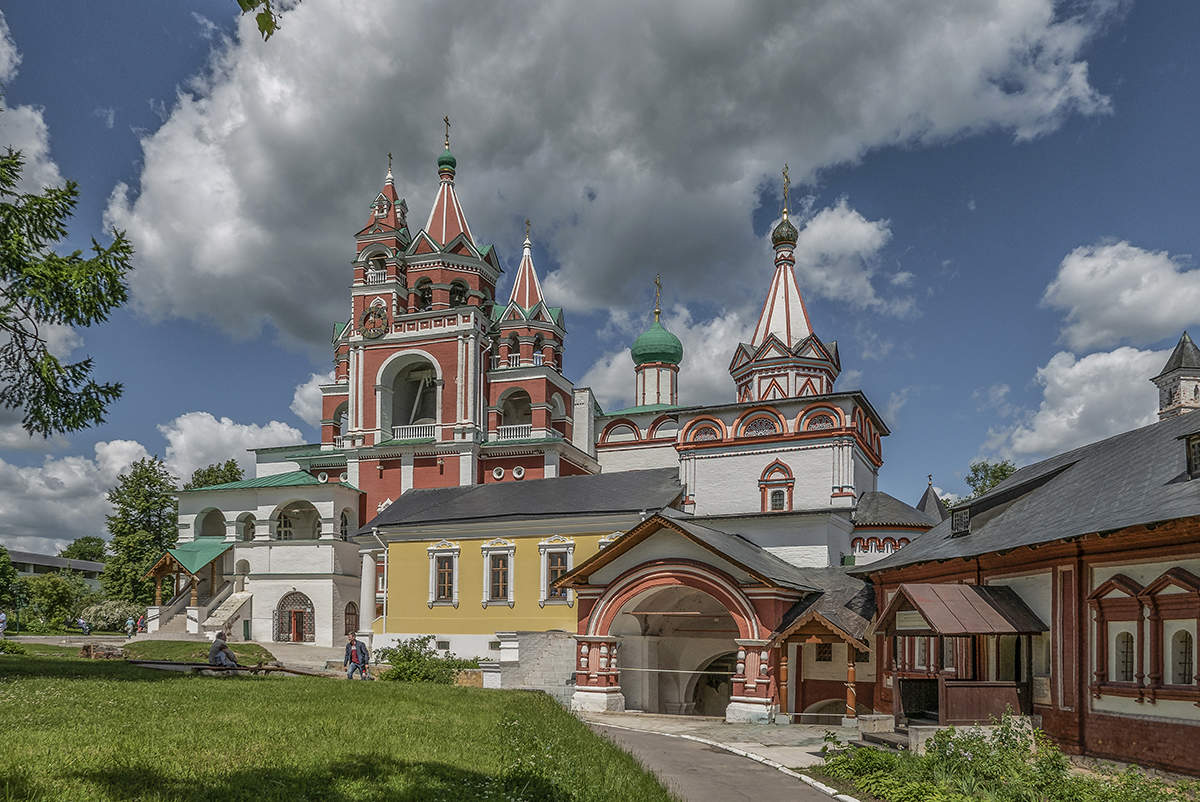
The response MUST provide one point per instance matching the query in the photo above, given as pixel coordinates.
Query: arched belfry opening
(408, 396)
(516, 410)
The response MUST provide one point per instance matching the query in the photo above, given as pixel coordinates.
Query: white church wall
(637, 457)
(866, 480)
(268, 467)
(727, 483)
(664, 544)
(583, 424)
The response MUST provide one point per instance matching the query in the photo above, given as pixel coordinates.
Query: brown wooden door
(297, 625)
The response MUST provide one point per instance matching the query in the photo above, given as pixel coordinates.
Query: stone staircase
(225, 614)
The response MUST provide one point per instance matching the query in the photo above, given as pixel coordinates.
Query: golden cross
(787, 185)
(657, 295)
(446, 120)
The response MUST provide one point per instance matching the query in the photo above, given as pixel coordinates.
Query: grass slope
(187, 651)
(98, 730)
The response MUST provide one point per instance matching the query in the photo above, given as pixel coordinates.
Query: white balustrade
(520, 431)
(416, 431)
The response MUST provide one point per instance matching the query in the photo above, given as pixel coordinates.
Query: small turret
(1179, 382)
(656, 356)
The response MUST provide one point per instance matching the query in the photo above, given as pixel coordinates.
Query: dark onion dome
(656, 344)
(785, 233)
(447, 161)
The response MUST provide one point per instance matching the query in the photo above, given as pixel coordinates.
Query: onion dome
(656, 344)
(447, 161)
(785, 233)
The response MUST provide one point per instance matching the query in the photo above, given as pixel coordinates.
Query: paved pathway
(698, 772)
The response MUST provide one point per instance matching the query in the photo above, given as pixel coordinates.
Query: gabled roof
(783, 313)
(1185, 355)
(954, 609)
(844, 602)
(195, 554)
(622, 492)
(752, 558)
(1137, 477)
(288, 479)
(876, 508)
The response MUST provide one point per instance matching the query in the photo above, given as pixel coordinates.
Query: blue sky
(999, 207)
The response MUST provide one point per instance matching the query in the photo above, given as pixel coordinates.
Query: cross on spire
(526, 228)
(657, 296)
(787, 185)
(446, 120)
(389, 161)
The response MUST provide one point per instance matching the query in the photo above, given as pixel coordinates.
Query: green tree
(41, 290)
(56, 596)
(265, 15)
(215, 474)
(142, 526)
(88, 547)
(8, 580)
(985, 474)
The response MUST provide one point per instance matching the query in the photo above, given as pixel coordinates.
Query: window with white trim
(1123, 658)
(778, 500)
(1181, 658)
(557, 558)
(498, 573)
(443, 574)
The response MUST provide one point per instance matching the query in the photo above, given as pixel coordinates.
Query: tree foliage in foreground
(216, 474)
(55, 597)
(8, 580)
(142, 526)
(40, 290)
(266, 15)
(985, 474)
(88, 547)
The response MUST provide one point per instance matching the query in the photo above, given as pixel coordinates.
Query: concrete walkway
(698, 772)
(791, 745)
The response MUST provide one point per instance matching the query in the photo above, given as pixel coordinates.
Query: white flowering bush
(111, 614)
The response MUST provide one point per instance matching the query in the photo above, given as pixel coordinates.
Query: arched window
(294, 619)
(856, 544)
(902, 542)
(761, 427)
(424, 295)
(248, 529)
(704, 434)
(821, 421)
(351, 618)
(344, 526)
(778, 500)
(1124, 657)
(286, 529)
(376, 269)
(1182, 661)
(458, 295)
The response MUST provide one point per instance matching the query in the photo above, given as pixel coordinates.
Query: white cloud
(995, 398)
(196, 439)
(42, 508)
(208, 28)
(265, 165)
(850, 379)
(23, 127)
(1084, 400)
(1115, 292)
(306, 400)
(836, 257)
(895, 403)
(107, 115)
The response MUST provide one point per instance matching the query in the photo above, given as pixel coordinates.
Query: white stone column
(406, 471)
(366, 595)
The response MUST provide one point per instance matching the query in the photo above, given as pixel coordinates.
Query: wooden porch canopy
(812, 626)
(188, 558)
(954, 610)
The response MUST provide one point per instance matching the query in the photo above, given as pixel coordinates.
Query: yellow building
(473, 566)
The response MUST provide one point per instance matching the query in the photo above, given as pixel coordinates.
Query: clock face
(374, 322)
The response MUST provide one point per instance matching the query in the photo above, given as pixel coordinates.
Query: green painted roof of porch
(289, 479)
(200, 552)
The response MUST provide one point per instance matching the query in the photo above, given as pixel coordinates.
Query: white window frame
(558, 544)
(494, 547)
(443, 548)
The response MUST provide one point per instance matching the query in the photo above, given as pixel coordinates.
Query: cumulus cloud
(22, 127)
(42, 508)
(252, 187)
(1084, 400)
(196, 439)
(306, 400)
(1116, 292)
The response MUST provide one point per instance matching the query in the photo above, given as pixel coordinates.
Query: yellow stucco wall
(408, 608)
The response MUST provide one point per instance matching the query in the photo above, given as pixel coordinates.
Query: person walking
(141, 623)
(129, 627)
(356, 657)
(3, 623)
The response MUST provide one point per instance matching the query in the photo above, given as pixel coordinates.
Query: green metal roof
(644, 408)
(289, 479)
(656, 344)
(409, 441)
(200, 552)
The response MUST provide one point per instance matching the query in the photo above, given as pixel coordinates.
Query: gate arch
(294, 619)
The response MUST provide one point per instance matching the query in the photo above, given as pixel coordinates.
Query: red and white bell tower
(434, 385)
(785, 358)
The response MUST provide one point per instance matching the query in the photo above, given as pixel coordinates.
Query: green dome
(657, 345)
(447, 160)
(785, 232)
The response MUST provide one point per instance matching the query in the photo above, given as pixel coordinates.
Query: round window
(497, 473)
(519, 472)
(322, 477)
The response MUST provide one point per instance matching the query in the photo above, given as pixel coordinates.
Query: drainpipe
(382, 545)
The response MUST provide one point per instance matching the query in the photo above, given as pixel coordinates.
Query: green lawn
(105, 730)
(188, 651)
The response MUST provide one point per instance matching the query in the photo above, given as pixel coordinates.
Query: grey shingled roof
(876, 508)
(1138, 477)
(845, 601)
(51, 561)
(932, 505)
(742, 551)
(1185, 355)
(625, 491)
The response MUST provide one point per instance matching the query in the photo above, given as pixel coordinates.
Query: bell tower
(1179, 382)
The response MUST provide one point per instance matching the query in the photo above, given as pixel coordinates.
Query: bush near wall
(1012, 763)
(415, 660)
(112, 614)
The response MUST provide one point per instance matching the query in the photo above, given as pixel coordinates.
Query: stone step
(890, 740)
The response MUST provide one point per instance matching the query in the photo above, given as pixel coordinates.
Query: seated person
(219, 654)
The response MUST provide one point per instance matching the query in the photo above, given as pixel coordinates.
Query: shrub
(112, 614)
(415, 660)
(11, 647)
